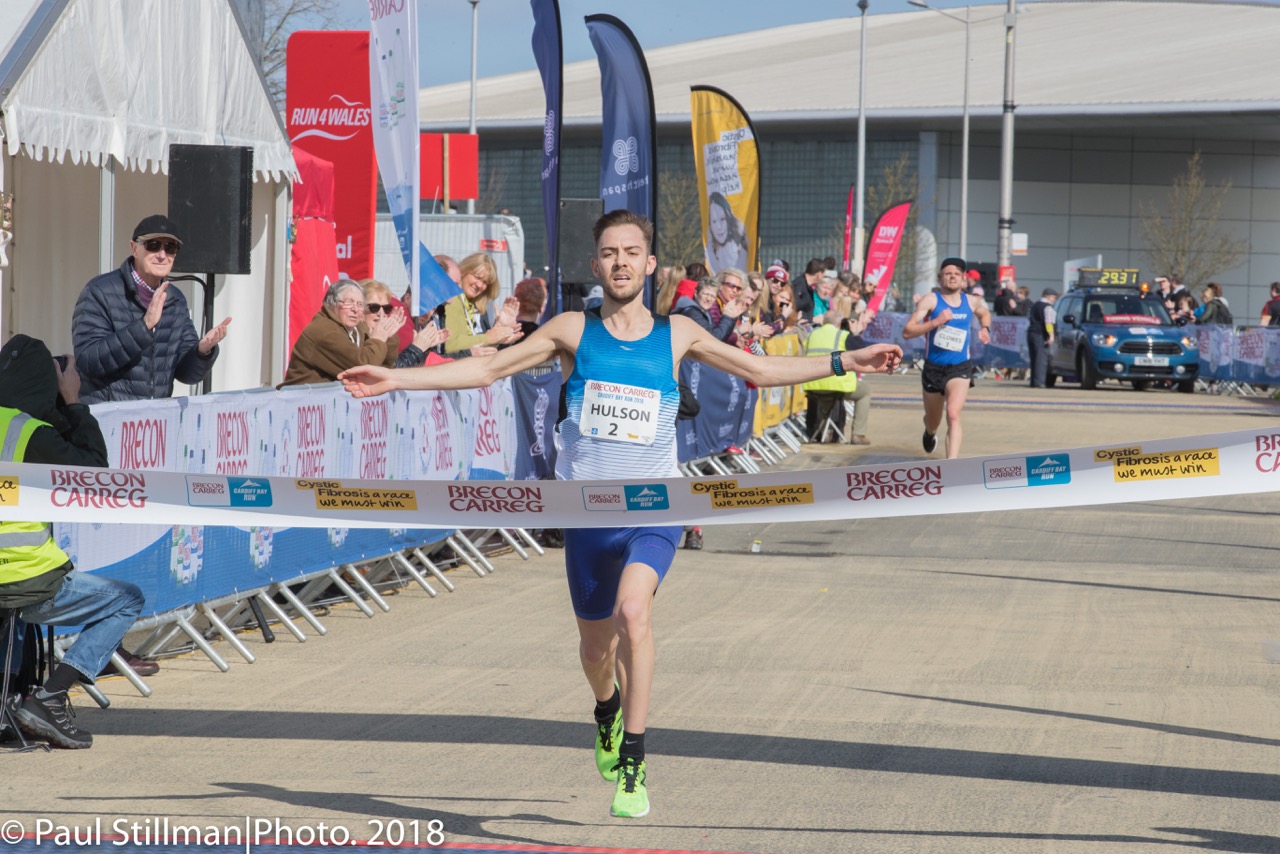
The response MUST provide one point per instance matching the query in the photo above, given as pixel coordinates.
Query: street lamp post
(471, 128)
(1004, 238)
(859, 230)
(964, 132)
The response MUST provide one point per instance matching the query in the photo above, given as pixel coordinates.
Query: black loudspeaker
(211, 203)
(577, 216)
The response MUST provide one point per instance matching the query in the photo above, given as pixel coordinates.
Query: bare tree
(897, 184)
(280, 19)
(493, 191)
(1183, 232)
(679, 218)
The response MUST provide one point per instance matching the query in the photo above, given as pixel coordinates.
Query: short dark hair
(696, 270)
(530, 293)
(1275, 288)
(622, 216)
(814, 267)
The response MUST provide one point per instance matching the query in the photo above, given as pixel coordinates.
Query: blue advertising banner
(629, 157)
(537, 406)
(723, 413)
(548, 50)
(1216, 346)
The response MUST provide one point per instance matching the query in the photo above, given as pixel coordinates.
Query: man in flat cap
(131, 328)
(946, 316)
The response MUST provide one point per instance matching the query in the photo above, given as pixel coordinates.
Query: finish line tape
(1234, 463)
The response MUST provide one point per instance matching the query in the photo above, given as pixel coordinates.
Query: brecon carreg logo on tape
(647, 496)
(606, 498)
(1016, 472)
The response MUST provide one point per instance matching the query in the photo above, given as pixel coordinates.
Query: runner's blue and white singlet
(621, 401)
(949, 344)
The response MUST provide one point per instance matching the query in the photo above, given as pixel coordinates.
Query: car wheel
(1141, 385)
(1186, 386)
(1088, 373)
(1050, 379)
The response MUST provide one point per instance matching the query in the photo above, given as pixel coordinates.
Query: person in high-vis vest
(827, 395)
(42, 421)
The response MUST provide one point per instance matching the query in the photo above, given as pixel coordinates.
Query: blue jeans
(104, 607)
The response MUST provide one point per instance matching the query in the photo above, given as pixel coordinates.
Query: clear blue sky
(506, 26)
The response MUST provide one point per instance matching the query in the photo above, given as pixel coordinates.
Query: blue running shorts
(595, 557)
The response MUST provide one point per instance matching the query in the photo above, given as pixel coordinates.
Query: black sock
(61, 679)
(606, 709)
(632, 745)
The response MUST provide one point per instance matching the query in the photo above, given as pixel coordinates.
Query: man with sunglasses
(729, 305)
(132, 330)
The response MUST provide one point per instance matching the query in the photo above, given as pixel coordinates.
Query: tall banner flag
(848, 226)
(549, 53)
(628, 161)
(393, 94)
(882, 251)
(727, 160)
(327, 104)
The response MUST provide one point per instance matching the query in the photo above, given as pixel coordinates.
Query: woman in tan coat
(339, 337)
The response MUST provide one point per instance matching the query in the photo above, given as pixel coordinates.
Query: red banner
(313, 258)
(848, 227)
(463, 164)
(882, 252)
(327, 107)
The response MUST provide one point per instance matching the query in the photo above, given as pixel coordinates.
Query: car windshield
(1125, 308)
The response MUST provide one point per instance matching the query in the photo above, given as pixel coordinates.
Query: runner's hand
(877, 359)
(368, 380)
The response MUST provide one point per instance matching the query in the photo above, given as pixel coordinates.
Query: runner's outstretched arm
(475, 372)
(776, 370)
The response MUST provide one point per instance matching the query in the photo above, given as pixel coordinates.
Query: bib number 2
(618, 412)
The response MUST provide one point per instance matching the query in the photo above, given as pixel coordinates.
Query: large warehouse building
(1112, 100)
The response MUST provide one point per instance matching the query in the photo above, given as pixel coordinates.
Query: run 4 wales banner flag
(882, 251)
(728, 165)
(628, 160)
(393, 91)
(549, 53)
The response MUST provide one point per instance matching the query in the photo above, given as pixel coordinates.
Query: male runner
(615, 572)
(945, 315)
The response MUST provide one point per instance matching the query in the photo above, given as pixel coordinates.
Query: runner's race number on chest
(618, 412)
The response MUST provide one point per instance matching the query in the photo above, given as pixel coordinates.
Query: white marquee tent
(92, 93)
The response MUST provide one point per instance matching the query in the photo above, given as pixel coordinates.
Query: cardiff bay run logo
(204, 491)
(1042, 470)
(642, 496)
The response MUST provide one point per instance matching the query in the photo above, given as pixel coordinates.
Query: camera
(62, 362)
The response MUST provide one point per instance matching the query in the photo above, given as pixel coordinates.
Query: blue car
(1122, 334)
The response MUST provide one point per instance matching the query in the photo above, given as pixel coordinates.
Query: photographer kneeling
(42, 421)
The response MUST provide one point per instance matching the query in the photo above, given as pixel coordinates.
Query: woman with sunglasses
(414, 345)
(339, 337)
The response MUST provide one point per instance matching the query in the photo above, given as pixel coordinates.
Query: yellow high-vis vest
(824, 341)
(27, 549)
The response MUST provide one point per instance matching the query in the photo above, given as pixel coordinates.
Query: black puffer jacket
(118, 357)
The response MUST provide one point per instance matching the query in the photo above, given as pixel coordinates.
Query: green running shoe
(631, 798)
(608, 737)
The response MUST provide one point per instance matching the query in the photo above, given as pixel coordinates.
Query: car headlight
(1190, 342)
(1102, 339)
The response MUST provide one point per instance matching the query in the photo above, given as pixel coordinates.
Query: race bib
(618, 412)
(950, 338)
